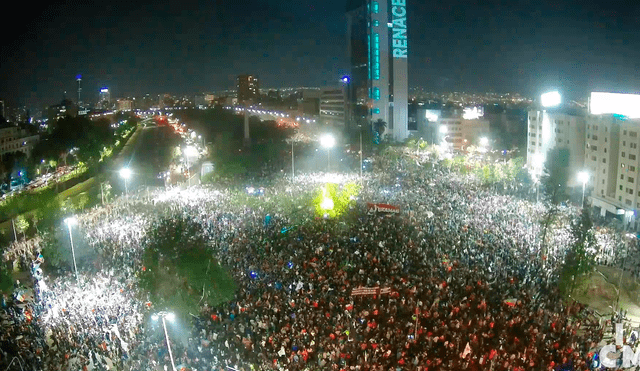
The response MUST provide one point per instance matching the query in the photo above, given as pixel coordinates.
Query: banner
(383, 208)
(370, 291)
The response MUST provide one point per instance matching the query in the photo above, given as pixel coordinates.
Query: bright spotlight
(327, 204)
(327, 141)
(583, 177)
(125, 173)
(191, 151)
(72, 220)
(443, 129)
(484, 141)
(155, 317)
(170, 317)
(550, 99)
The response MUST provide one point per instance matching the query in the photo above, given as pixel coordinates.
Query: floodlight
(611, 103)
(70, 221)
(484, 141)
(550, 99)
(191, 151)
(443, 129)
(170, 316)
(125, 173)
(583, 177)
(327, 204)
(327, 141)
(154, 317)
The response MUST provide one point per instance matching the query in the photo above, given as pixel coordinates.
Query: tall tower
(79, 80)
(248, 90)
(377, 52)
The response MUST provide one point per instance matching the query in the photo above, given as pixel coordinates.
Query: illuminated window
(376, 110)
(375, 7)
(376, 93)
(376, 23)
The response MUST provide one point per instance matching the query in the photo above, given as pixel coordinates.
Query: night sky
(183, 47)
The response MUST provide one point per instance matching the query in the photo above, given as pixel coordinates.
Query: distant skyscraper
(377, 52)
(79, 80)
(104, 99)
(247, 86)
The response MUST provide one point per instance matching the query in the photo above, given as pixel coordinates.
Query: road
(146, 155)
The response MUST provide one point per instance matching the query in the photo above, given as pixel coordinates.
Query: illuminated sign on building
(611, 103)
(399, 22)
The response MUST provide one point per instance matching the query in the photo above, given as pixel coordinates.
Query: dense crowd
(455, 281)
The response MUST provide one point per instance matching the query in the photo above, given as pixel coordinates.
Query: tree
(554, 179)
(579, 259)
(554, 182)
(6, 281)
(22, 224)
(179, 272)
(379, 128)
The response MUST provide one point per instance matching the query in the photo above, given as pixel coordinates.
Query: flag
(467, 350)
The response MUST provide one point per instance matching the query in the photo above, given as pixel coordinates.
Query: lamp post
(361, 152)
(293, 168)
(125, 173)
(171, 317)
(583, 176)
(189, 151)
(328, 141)
(71, 221)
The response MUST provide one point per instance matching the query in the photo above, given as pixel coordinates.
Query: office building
(377, 53)
(125, 104)
(248, 89)
(562, 128)
(104, 99)
(333, 106)
(17, 139)
(453, 127)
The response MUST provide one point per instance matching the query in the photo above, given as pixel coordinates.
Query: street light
(583, 177)
(71, 221)
(125, 173)
(190, 151)
(171, 317)
(328, 141)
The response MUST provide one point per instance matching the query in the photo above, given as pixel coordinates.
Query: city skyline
(191, 47)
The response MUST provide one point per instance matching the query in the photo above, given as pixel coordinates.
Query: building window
(624, 132)
(630, 179)
(619, 198)
(604, 160)
(624, 143)
(623, 154)
(628, 202)
(621, 178)
(376, 23)
(375, 7)
(594, 148)
(376, 93)
(633, 134)
(633, 145)
(595, 137)
(630, 191)
(376, 110)
(632, 156)
(632, 168)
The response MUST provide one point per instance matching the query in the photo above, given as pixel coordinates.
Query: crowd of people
(454, 281)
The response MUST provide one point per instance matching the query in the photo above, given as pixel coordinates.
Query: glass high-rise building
(377, 52)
